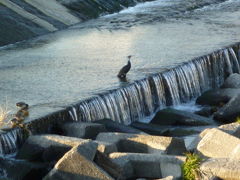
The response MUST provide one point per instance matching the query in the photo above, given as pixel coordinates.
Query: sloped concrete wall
(24, 19)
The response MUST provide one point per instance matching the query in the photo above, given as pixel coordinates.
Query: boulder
(222, 168)
(134, 165)
(206, 111)
(106, 147)
(233, 81)
(216, 97)
(171, 116)
(229, 112)
(217, 144)
(113, 126)
(77, 164)
(46, 147)
(152, 129)
(191, 142)
(19, 169)
(232, 129)
(103, 161)
(83, 130)
(140, 143)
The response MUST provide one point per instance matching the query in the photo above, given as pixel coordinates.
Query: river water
(55, 70)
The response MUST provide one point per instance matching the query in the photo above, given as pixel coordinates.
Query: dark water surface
(55, 70)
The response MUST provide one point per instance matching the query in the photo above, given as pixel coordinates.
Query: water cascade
(172, 87)
(9, 141)
(142, 98)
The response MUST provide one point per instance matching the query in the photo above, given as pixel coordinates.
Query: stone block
(140, 143)
(217, 144)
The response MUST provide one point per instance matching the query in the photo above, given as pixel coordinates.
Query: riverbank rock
(152, 129)
(113, 126)
(47, 147)
(171, 116)
(83, 130)
(135, 165)
(229, 112)
(144, 143)
(106, 147)
(103, 161)
(217, 144)
(233, 81)
(19, 169)
(77, 164)
(216, 97)
(232, 129)
(223, 168)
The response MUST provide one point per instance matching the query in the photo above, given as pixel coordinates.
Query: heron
(122, 73)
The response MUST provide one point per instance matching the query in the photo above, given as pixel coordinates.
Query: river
(55, 70)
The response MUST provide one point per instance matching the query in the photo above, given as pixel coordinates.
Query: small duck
(23, 109)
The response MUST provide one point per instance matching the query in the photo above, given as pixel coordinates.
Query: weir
(144, 97)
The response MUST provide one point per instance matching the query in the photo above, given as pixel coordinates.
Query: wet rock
(134, 165)
(233, 81)
(83, 129)
(152, 129)
(223, 168)
(184, 131)
(144, 143)
(19, 169)
(206, 111)
(47, 147)
(77, 164)
(229, 112)
(171, 116)
(113, 126)
(216, 97)
(217, 144)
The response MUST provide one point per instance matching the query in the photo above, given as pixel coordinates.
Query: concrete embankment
(24, 19)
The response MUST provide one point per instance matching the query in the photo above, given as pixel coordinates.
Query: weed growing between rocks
(190, 169)
(238, 119)
(4, 113)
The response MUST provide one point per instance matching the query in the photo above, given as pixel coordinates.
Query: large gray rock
(106, 163)
(230, 111)
(77, 164)
(47, 147)
(152, 129)
(113, 126)
(171, 116)
(140, 143)
(83, 130)
(173, 131)
(215, 97)
(232, 129)
(233, 81)
(223, 168)
(217, 144)
(134, 165)
(106, 147)
(19, 169)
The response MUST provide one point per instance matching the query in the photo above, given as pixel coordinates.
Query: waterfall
(9, 141)
(172, 87)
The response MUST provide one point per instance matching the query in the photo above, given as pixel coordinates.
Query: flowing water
(59, 69)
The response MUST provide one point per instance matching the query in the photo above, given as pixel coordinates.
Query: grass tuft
(238, 119)
(190, 168)
(4, 113)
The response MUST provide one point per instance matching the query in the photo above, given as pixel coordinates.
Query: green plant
(238, 119)
(190, 168)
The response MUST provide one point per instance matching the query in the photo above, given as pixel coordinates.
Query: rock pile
(105, 149)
